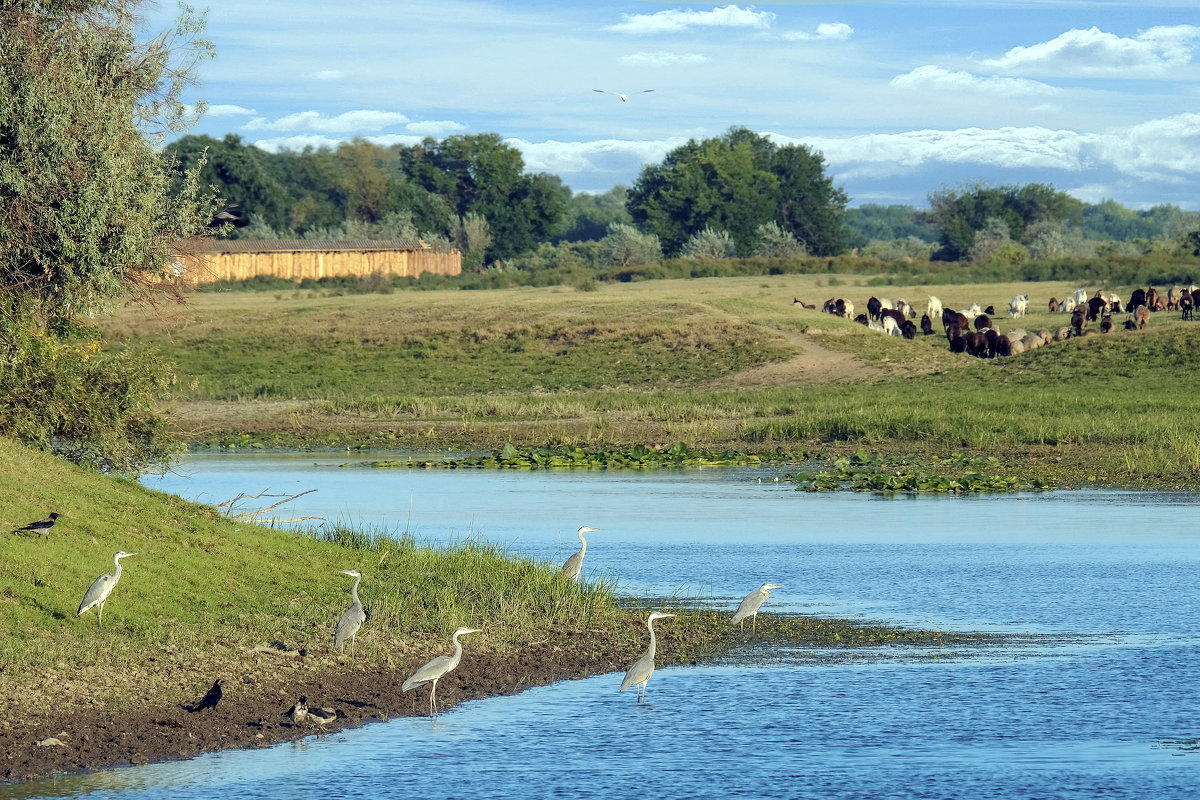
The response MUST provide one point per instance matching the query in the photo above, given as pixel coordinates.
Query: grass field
(720, 363)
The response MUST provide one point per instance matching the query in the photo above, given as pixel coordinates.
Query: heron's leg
(754, 623)
(100, 617)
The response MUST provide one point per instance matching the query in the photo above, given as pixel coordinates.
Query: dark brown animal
(873, 307)
(1053, 305)
(909, 329)
(1130, 325)
(1079, 320)
(1186, 305)
(1106, 323)
(1094, 306)
(926, 325)
(1138, 298)
(861, 319)
(1151, 298)
(982, 322)
(894, 314)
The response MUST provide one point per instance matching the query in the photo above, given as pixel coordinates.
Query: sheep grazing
(847, 309)
(1017, 306)
(1106, 323)
(904, 308)
(974, 310)
(934, 307)
(890, 326)
(1062, 334)
(873, 307)
(926, 325)
(1079, 320)
(1067, 305)
(1053, 305)
(1142, 315)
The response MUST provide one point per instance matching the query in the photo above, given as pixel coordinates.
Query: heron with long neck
(435, 669)
(574, 564)
(353, 617)
(751, 603)
(639, 674)
(97, 594)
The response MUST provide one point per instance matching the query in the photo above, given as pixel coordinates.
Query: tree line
(734, 195)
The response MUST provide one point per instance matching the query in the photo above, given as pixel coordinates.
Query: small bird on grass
(211, 698)
(42, 526)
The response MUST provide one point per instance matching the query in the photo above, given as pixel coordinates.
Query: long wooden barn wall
(298, 265)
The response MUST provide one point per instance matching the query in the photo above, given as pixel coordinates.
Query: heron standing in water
(639, 674)
(353, 617)
(574, 564)
(751, 603)
(100, 589)
(436, 669)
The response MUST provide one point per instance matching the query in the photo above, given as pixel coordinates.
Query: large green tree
(90, 214)
(959, 214)
(736, 183)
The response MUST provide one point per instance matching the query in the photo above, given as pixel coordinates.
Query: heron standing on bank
(100, 589)
(353, 617)
(751, 603)
(639, 674)
(436, 669)
(574, 564)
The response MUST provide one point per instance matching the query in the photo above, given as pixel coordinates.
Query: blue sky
(1100, 99)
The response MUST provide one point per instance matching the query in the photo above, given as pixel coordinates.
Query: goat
(982, 322)
(1106, 323)
(803, 304)
(1053, 305)
(1094, 307)
(1079, 320)
(1017, 306)
(873, 307)
(934, 307)
(1186, 305)
(909, 329)
(1142, 314)
(926, 325)
(1138, 298)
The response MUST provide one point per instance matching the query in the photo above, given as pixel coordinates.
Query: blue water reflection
(1110, 712)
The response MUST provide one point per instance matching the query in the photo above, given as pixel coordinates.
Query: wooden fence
(296, 260)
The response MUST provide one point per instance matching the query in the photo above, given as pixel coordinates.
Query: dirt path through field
(815, 363)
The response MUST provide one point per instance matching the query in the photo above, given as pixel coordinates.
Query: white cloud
(226, 110)
(317, 142)
(676, 20)
(434, 128)
(934, 77)
(1161, 149)
(349, 122)
(1096, 53)
(330, 75)
(601, 155)
(661, 59)
(838, 31)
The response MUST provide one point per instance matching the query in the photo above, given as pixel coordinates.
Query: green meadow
(720, 363)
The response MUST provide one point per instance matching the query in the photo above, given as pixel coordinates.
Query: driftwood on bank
(254, 516)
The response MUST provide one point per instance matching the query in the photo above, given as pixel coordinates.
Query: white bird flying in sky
(622, 96)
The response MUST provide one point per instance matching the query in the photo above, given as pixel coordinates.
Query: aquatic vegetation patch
(863, 472)
(638, 456)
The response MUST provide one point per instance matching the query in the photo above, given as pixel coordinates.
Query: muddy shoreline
(252, 711)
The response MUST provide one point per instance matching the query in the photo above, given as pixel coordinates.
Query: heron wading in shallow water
(751, 603)
(353, 617)
(639, 674)
(435, 669)
(574, 564)
(100, 589)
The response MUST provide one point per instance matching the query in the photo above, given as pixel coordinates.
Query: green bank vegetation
(728, 364)
(205, 597)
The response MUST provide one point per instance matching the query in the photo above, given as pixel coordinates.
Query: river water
(1107, 708)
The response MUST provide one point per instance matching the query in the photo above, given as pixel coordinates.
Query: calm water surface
(1110, 712)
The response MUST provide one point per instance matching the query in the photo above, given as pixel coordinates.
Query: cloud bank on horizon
(900, 97)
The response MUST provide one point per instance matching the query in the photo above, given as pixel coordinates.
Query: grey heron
(751, 603)
(42, 526)
(574, 564)
(623, 96)
(211, 697)
(353, 617)
(639, 674)
(435, 669)
(100, 589)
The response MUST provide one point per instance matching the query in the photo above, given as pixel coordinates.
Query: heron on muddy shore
(751, 603)
(435, 669)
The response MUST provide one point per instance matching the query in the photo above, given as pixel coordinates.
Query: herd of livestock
(973, 330)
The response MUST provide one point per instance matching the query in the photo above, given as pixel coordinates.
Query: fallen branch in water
(250, 515)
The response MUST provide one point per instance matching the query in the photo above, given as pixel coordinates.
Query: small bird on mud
(298, 712)
(42, 526)
(211, 698)
(321, 716)
(751, 603)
